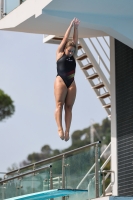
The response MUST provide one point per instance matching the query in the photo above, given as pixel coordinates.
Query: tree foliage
(13, 167)
(7, 108)
(79, 139)
(79, 163)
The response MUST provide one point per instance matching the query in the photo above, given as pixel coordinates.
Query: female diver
(64, 86)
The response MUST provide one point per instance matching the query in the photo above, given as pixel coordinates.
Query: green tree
(79, 139)
(7, 108)
(13, 167)
(35, 157)
(46, 150)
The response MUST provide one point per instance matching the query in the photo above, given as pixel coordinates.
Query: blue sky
(27, 74)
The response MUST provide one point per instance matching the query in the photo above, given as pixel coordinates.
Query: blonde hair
(70, 44)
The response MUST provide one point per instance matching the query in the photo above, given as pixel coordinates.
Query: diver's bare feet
(66, 136)
(61, 133)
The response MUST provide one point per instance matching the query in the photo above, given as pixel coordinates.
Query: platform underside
(52, 17)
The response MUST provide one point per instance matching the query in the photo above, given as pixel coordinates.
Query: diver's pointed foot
(67, 136)
(61, 134)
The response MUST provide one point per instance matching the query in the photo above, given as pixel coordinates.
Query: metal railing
(107, 172)
(54, 158)
(1, 9)
(22, 172)
(94, 165)
(98, 73)
(6, 7)
(25, 174)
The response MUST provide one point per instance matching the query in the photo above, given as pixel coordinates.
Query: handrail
(27, 173)
(102, 48)
(99, 56)
(105, 150)
(106, 162)
(94, 166)
(1, 9)
(62, 157)
(55, 157)
(112, 183)
(106, 42)
(94, 62)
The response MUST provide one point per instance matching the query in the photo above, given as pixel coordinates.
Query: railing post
(1, 9)
(96, 172)
(104, 179)
(3, 192)
(32, 182)
(51, 178)
(103, 185)
(4, 8)
(63, 174)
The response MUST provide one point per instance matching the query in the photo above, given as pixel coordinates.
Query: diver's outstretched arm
(75, 33)
(65, 38)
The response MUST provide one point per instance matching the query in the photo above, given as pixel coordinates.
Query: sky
(27, 74)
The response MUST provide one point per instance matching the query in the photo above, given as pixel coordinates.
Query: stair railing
(101, 58)
(1, 8)
(101, 169)
(97, 71)
(104, 179)
(93, 60)
(88, 61)
(3, 3)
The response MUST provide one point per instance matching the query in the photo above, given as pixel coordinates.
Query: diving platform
(98, 18)
(115, 198)
(64, 193)
(50, 194)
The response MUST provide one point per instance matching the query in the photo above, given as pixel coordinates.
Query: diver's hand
(76, 22)
(72, 22)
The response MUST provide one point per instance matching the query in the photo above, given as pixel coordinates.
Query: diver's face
(69, 51)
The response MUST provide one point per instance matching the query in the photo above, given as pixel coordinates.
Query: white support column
(114, 163)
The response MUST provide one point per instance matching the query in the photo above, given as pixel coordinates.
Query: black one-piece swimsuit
(66, 69)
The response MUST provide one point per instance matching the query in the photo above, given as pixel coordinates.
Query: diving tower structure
(109, 23)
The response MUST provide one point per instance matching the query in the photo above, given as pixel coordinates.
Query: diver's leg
(69, 101)
(60, 92)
